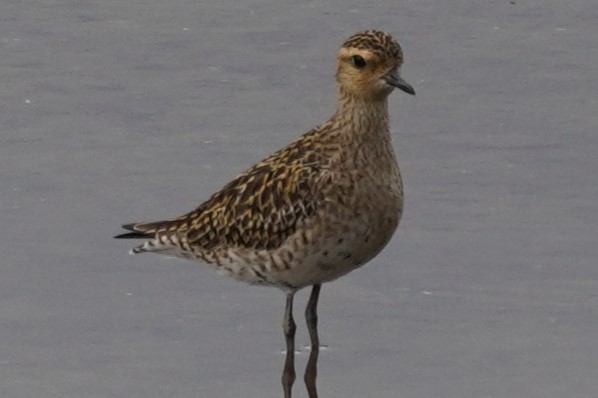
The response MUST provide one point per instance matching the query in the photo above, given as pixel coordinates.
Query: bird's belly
(340, 250)
(311, 256)
(339, 240)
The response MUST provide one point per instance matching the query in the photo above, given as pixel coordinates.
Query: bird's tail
(147, 231)
(134, 234)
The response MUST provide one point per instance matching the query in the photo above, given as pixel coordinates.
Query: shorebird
(313, 211)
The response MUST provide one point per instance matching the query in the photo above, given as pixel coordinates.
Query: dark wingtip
(129, 227)
(132, 235)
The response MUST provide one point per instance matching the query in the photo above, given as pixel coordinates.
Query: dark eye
(358, 61)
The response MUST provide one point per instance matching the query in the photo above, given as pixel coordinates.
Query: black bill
(397, 81)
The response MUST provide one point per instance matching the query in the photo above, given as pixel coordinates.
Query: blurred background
(114, 112)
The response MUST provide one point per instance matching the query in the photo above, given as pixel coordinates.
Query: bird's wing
(259, 209)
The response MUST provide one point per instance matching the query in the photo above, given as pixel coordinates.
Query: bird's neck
(363, 136)
(367, 118)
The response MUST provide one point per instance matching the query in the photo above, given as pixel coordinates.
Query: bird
(314, 210)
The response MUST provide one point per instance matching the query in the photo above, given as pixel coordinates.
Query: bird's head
(369, 66)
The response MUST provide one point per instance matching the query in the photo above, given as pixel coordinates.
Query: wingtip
(129, 227)
(134, 234)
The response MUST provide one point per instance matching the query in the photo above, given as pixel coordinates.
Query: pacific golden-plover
(313, 211)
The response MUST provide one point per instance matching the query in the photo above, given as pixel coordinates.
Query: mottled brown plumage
(281, 221)
(316, 209)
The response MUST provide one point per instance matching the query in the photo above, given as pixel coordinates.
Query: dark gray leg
(289, 327)
(311, 316)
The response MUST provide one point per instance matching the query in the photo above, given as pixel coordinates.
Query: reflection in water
(289, 327)
(311, 372)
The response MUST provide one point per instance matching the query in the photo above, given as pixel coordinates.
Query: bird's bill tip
(397, 81)
(404, 86)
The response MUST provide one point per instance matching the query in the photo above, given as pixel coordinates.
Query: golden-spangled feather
(259, 209)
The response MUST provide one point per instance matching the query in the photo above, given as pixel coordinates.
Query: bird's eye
(358, 61)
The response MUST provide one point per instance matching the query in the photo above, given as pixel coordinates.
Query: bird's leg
(289, 327)
(311, 317)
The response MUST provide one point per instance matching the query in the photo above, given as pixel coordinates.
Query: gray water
(115, 112)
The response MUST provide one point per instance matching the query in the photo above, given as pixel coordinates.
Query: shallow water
(115, 112)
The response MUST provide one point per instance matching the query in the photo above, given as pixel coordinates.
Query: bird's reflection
(289, 327)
